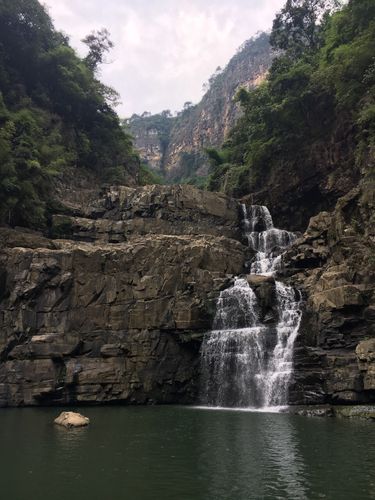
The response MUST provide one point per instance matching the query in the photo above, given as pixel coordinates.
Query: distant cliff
(174, 145)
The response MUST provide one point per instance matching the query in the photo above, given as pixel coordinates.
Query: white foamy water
(246, 364)
(266, 240)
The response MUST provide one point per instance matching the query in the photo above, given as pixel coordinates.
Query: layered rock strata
(123, 212)
(334, 263)
(99, 322)
(112, 307)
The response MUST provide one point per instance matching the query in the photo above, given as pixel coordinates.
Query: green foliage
(98, 43)
(215, 157)
(319, 92)
(147, 176)
(54, 112)
(298, 27)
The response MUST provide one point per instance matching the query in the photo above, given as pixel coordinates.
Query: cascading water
(233, 353)
(267, 241)
(244, 362)
(279, 369)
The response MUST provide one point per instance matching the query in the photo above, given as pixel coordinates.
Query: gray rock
(96, 321)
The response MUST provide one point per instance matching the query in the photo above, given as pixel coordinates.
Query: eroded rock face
(103, 322)
(116, 311)
(174, 146)
(334, 263)
(124, 212)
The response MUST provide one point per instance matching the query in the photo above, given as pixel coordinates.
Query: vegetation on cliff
(317, 104)
(54, 113)
(174, 145)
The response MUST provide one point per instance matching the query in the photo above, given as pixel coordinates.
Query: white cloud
(164, 49)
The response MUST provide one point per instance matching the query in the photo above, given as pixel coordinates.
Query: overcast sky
(164, 49)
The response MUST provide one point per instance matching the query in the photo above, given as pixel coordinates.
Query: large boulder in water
(71, 419)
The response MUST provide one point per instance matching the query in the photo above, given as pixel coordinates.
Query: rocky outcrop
(113, 307)
(334, 263)
(123, 212)
(99, 322)
(175, 210)
(310, 190)
(340, 411)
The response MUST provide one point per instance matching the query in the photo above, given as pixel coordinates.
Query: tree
(187, 105)
(318, 98)
(54, 113)
(98, 43)
(297, 27)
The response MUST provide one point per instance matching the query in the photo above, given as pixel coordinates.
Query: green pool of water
(165, 453)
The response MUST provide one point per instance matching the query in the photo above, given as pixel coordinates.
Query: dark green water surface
(165, 453)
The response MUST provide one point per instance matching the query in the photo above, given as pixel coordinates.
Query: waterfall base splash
(250, 409)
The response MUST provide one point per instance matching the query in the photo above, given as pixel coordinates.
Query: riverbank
(341, 411)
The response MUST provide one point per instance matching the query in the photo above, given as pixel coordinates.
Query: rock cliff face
(174, 146)
(311, 187)
(334, 264)
(115, 313)
(113, 306)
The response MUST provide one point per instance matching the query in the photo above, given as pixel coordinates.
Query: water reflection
(282, 451)
(68, 440)
(174, 453)
(243, 456)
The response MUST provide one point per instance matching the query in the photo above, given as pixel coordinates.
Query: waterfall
(267, 241)
(244, 362)
(280, 367)
(233, 353)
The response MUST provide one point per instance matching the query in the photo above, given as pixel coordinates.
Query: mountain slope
(174, 145)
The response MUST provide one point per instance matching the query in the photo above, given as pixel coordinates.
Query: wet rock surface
(358, 411)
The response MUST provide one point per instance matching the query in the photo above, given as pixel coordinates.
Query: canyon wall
(174, 145)
(113, 305)
(115, 310)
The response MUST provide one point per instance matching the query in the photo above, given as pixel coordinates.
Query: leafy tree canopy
(319, 96)
(298, 26)
(54, 113)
